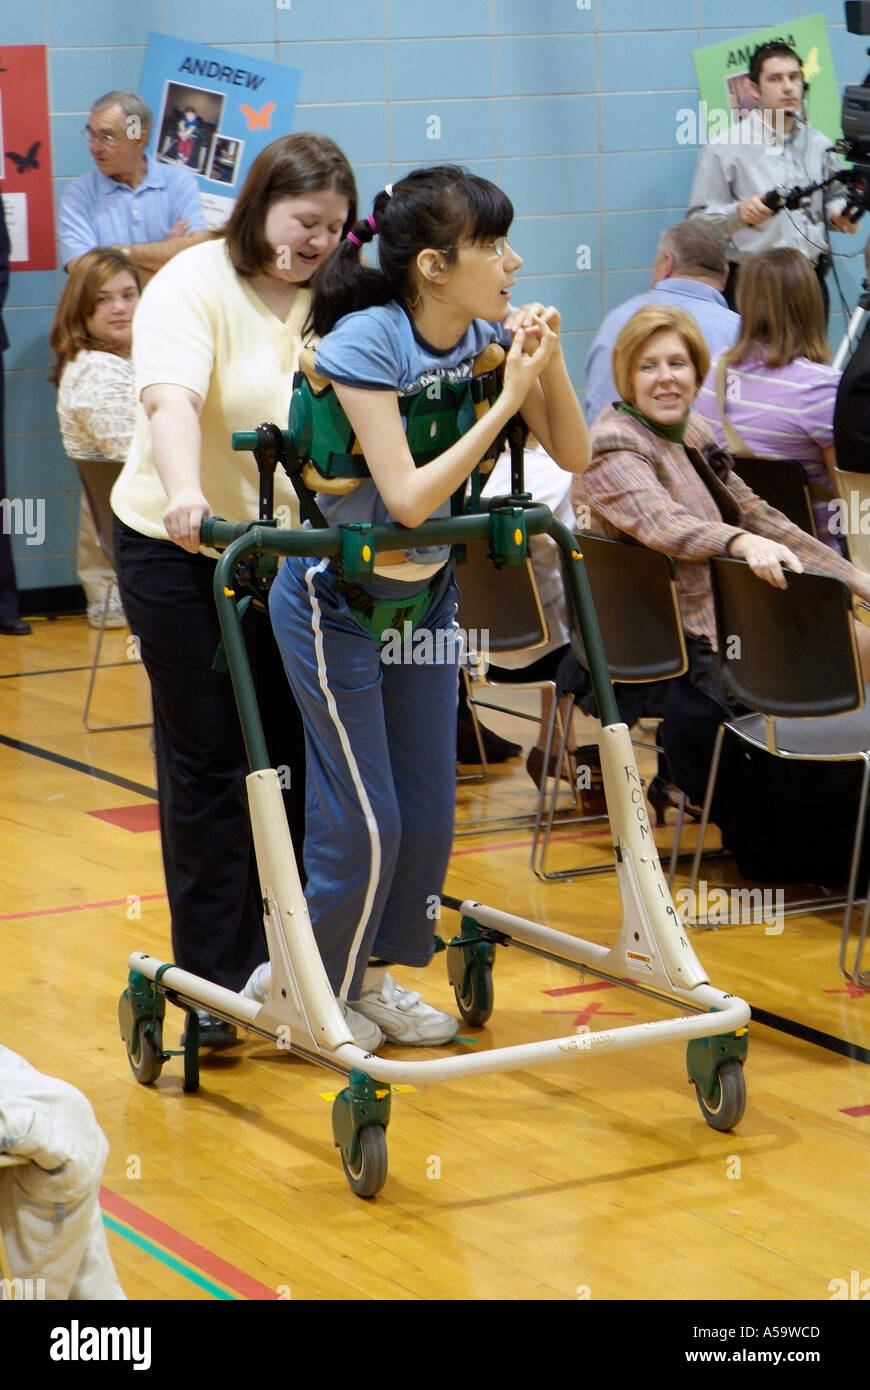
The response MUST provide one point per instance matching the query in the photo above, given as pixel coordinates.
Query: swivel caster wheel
(475, 995)
(147, 1066)
(367, 1175)
(726, 1108)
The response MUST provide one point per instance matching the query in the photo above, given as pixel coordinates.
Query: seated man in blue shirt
(689, 272)
(150, 211)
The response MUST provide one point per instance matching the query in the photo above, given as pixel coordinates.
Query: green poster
(722, 77)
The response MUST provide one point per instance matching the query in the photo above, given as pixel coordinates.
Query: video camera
(855, 144)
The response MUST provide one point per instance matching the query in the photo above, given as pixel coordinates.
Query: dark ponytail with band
(438, 207)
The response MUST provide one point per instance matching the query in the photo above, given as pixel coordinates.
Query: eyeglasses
(498, 245)
(93, 138)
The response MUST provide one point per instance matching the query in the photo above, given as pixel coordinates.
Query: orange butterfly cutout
(258, 120)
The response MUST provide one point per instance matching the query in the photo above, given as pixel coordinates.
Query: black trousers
(8, 591)
(208, 851)
(691, 708)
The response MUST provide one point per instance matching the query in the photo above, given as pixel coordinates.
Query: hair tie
(388, 189)
(372, 223)
(355, 239)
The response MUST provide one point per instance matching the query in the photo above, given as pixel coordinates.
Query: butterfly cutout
(26, 161)
(811, 67)
(258, 120)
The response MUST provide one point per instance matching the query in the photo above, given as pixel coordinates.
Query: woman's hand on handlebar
(183, 517)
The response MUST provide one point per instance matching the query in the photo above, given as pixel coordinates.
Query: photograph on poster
(187, 122)
(740, 95)
(225, 160)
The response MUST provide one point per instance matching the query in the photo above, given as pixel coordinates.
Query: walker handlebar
(245, 441)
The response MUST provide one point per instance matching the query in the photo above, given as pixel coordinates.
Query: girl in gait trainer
(381, 735)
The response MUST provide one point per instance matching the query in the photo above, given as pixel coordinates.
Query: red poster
(26, 155)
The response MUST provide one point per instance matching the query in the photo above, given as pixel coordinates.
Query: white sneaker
(365, 1034)
(259, 983)
(115, 615)
(401, 1013)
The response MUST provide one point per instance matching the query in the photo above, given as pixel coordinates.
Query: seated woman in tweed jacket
(658, 476)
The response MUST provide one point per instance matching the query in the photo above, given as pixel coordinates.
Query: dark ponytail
(438, 207)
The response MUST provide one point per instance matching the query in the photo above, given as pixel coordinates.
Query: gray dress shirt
(754, 159)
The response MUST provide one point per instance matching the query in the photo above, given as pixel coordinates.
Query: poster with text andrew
(214, 111)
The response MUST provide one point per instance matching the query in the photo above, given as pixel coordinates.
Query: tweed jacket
(645, 487)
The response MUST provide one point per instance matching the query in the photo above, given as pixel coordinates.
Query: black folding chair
(783, 484)
(503, 608)
(638, 612)
(790, 654)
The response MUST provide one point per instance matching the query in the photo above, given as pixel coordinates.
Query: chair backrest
(503, 603)
(854, 490)
(783, 484)
(97, 481)
(786, 652)
(638, 612)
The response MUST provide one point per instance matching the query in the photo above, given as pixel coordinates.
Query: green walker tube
(460, 530)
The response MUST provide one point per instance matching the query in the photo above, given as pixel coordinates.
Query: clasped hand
(535, 333)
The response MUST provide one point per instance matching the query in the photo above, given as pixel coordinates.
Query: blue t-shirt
(96, 210)
(379, 349)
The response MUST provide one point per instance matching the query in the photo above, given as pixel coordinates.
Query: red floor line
(79, 907)
(187, 1249)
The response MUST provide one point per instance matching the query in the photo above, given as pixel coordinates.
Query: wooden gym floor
(594, 1179)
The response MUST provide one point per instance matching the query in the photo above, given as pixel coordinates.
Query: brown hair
(656, 318)
(781, 310)
(69, 333)
(290, 166)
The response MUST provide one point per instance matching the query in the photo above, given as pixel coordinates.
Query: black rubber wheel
(476, 1004)
(149, 1064)
(727, 1109)
(370, 1173)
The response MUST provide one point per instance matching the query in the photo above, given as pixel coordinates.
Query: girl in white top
(96, 398)
(217, 338)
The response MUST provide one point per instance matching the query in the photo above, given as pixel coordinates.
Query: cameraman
(773, 147)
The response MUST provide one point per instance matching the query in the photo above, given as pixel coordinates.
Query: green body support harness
(322, 455)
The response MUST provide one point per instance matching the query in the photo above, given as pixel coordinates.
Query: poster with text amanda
(214, 111)
(723, 72)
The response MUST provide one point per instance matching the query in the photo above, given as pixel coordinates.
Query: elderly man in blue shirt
(689, 272)
(146, 209)
(149, 210)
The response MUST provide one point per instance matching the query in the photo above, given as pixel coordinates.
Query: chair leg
(111, 585)
(554, 720)
(857, 846)
(705, 814)
(469, 703)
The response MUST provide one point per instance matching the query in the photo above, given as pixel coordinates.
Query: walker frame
(651, 953)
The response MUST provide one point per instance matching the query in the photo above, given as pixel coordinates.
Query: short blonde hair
(651, 319)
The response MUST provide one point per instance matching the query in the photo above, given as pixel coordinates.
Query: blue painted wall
(571, 105)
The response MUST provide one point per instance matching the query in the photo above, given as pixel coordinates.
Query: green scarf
(674, 433)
